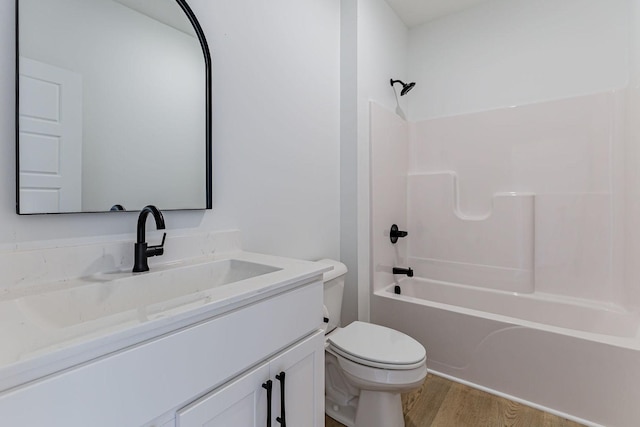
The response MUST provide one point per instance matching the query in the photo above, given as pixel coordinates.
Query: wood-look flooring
(444, 403)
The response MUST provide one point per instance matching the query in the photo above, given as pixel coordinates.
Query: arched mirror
(113, 106)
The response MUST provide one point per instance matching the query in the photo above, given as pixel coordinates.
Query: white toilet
(367, 366)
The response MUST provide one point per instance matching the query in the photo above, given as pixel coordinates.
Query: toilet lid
(378, 344)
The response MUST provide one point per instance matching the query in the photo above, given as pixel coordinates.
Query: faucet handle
(395, 232)
(157, 249)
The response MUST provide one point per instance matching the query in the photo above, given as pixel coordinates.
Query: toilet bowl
(367, 366)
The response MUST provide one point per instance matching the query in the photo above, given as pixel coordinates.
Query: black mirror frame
(208, 109)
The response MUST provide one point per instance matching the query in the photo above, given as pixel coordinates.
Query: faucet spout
(407, 271)
(141, 250)
(142, 221)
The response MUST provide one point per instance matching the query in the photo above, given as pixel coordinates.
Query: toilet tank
(333, 290)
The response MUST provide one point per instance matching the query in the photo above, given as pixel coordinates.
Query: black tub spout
(407, 271)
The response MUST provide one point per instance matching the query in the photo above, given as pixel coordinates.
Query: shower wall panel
(492, 251)
(561, 152)
(389, 165)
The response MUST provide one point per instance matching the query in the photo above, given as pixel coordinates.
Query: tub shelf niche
(495, 250)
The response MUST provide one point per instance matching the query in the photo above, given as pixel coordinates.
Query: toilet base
(343, 414)
(370, 409)
(379, 409)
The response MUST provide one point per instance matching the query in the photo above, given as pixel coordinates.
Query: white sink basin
(136, 295)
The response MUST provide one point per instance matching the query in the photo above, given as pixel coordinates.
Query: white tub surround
(517, 230)
(110, 318)
(520, 199)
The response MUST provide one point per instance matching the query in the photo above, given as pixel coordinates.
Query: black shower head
(406, 87)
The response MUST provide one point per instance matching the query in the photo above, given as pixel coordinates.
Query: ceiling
(412, 12)
(415, 12)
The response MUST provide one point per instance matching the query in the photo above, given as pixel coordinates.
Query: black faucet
(407, 271)
(141, 250)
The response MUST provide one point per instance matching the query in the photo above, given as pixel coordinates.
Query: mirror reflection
(112, 107)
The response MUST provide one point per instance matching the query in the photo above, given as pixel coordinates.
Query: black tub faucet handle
(395, 233)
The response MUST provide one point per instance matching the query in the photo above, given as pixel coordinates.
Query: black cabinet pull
(268, 386)
(282, 418)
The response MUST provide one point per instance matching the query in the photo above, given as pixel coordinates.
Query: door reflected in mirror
(113, 106)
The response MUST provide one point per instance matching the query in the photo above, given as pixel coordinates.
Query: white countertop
(43, 329)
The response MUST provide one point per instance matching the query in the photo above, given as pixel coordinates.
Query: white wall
(349, 156)
(378, 39)
(276, 133)
(513, 52)
(629, 227)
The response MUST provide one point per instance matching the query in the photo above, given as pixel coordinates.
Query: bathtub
(571, 357)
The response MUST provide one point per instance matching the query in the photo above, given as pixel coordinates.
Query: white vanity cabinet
(245, 401)
(209, 372)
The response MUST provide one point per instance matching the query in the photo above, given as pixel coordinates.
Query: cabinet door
(241, 403)
(303, 365)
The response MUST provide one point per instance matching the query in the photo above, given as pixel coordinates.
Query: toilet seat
(377, 346)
